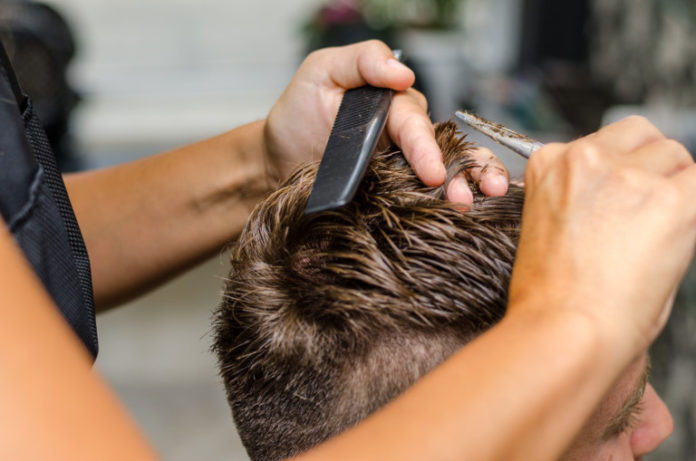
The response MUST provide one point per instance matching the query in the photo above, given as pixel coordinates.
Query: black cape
(36, 208)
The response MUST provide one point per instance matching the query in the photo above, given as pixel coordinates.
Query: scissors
(516, 142)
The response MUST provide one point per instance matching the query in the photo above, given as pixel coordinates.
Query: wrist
(607, 343)
(252, 174)
(261, 156)
(275, 168)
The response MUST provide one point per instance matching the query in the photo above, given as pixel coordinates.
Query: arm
(146, 221)
(49, 396)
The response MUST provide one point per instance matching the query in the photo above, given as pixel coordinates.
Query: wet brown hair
(326, 318)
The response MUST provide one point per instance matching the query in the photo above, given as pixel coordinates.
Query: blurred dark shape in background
(342, 22)
(555, 48)
(40, 45)
(646, 51)
(575, 60)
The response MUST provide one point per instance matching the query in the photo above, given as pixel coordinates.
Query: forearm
(53, 405)
(521, 391)
(146, 221)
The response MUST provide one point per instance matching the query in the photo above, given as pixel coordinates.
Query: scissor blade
(516, 142)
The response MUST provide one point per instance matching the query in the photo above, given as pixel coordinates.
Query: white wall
(158, 73)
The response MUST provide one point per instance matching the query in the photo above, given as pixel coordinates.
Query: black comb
(355, 133)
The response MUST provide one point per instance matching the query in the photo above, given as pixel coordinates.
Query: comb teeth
(362, 103)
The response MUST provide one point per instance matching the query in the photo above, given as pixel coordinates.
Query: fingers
(632, 143)
(665, 157)
(370, 62)
(373, 63)
(411, 129)
(458, 191)
(626, 135)
(542, 161)
(490, 173)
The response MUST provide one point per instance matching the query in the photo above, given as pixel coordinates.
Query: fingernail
(433, 174)
(458, 191)
(494, 184)
(442, 175)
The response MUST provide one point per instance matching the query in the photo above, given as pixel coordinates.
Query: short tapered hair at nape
(326, 318)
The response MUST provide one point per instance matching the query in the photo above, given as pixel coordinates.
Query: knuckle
(535, 161)
(371, 47)
(544, 160)
(584, 153)
(317, 56)
(375, 43)
(675, 146)
(637, 120)
(643, 125)
(420, 98)
(552, 146)
(535, 165)
(531, 174)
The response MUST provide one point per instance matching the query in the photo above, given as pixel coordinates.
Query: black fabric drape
(37, 210)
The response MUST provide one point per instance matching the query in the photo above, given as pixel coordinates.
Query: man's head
(326, 318)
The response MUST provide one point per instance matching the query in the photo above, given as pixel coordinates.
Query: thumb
(371, 62)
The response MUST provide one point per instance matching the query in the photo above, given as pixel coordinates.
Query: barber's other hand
(300, 122)
(608, 230)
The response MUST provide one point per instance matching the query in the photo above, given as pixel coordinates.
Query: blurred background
(114, 81)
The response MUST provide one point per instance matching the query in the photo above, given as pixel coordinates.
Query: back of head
(326, 318)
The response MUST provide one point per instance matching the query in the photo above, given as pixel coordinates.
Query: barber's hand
(608, 230)
(300, 122)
